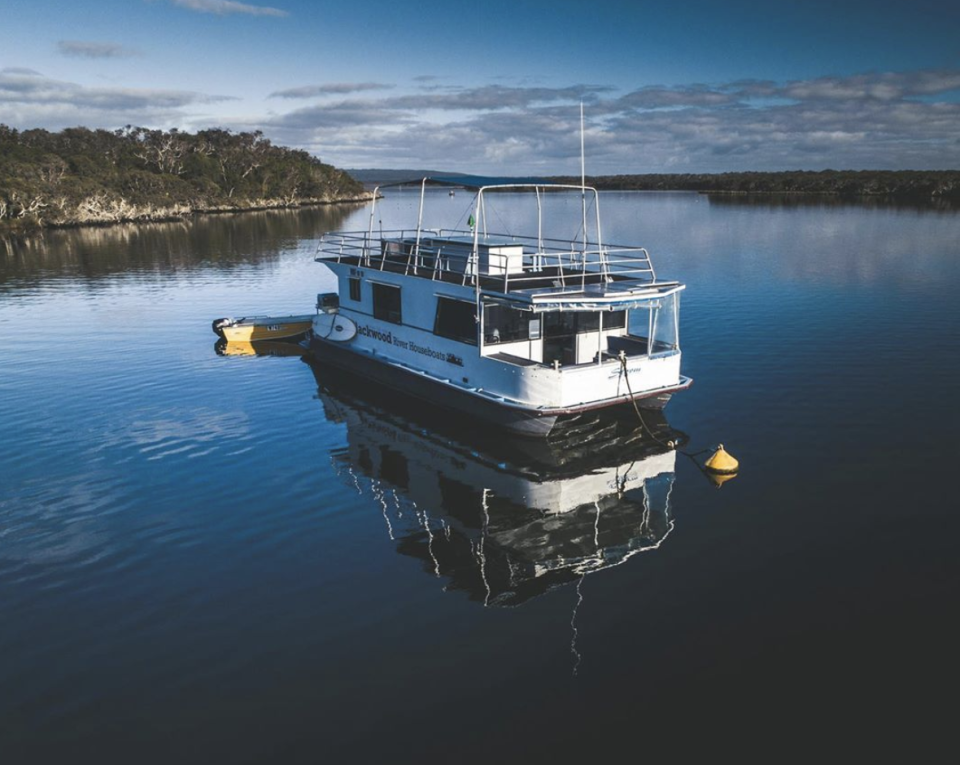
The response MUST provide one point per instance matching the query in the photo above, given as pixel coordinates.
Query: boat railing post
(600, 253)
(651, 323)
(537, 262)
(481, 340)
(416, 251)
(600, 340)
(365, 252)
(481, 213)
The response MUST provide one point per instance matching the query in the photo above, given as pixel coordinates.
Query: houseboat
(516, 328)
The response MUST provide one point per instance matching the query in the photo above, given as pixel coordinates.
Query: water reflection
(788, 200)
(258, 348)
(225, 240)
(504, 520)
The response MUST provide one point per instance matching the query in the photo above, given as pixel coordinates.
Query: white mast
(583, 186)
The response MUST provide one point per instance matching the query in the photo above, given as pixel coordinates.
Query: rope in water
(666, 444)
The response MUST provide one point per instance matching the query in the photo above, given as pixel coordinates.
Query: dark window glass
(589, 321)
(354, 289)
(559, 324)
(577, 322)
(615, 320)
(386, 303)
(504, 325)
(455, 319)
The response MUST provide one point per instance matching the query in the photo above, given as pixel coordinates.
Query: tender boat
(253, 328)
(515, 328)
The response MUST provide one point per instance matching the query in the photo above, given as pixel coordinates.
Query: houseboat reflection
(504, 519)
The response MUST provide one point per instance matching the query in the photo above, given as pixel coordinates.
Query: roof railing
(448, 254)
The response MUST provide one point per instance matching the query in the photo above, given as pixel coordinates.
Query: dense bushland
(80, 176)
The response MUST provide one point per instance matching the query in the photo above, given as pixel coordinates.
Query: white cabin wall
(589, 343)
(526, 349)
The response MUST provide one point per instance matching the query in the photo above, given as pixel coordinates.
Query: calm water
(209, 558)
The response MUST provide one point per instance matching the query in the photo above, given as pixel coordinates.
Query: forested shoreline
(80, 176)
(915, 185)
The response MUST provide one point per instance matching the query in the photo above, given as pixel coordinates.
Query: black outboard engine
(219, 324)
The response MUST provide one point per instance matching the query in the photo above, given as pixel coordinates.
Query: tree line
(81, 176)
(901, 184)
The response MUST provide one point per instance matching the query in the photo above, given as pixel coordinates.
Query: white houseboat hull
(514, 416)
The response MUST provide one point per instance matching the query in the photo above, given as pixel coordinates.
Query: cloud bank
(893, 120)
(884, 120)
(29, 99)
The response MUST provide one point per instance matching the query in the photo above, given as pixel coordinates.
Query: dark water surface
(209, 558)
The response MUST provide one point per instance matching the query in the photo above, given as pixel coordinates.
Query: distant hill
(374, 177)
(902, 184)
(80, 176)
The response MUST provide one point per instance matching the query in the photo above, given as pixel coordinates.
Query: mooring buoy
(722, 462)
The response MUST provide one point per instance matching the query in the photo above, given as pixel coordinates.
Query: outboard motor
(219, 324)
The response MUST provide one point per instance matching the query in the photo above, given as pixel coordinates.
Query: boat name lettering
(630, 371)
(376, 334)
(408, 345)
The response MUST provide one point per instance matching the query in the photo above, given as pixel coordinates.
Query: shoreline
(15, 227)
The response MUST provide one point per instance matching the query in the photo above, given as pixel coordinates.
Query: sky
(688, 86)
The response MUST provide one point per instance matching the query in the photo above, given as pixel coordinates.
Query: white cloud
(333, 88)
(227, 7)
(87, 49)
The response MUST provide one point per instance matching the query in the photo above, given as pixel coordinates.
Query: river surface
(242, 559)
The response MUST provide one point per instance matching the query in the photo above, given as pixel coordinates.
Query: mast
(583, 186)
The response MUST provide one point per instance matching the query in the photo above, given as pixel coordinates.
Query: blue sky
(495, 87)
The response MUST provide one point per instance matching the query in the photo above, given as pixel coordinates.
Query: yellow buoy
(722, 462)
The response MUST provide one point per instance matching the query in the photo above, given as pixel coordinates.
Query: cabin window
(503, 325)
(614, 320)
(665, 332)
(386, 303)
(354, 289)
(656, 322)
(456, 319)
(566, 323)
(559, 324)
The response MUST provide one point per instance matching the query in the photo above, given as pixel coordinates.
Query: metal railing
(547, 265)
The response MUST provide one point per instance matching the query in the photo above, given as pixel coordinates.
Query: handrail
(453, 252)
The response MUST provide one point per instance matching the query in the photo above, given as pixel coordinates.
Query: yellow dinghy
(253, 328)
